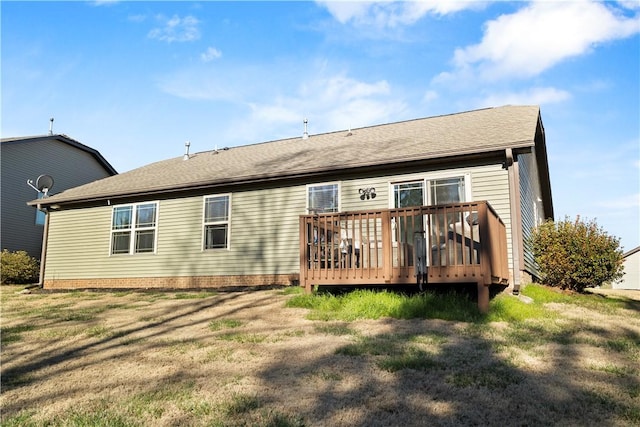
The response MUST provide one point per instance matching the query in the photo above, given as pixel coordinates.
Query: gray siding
(531, 208)
(264, 233)
(20, 161)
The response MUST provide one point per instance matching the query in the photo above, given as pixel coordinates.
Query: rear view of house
(68, 162)
(252, 214)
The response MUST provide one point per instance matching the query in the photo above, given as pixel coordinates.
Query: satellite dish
(44, 183)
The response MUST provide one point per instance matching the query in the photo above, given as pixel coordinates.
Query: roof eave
(70, 141)
(450, 157)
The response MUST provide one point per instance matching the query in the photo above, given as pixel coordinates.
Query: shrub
(575, 254)
(18, 268)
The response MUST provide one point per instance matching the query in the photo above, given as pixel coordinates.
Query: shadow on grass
(417, 373)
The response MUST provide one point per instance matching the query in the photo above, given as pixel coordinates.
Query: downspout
(516, 219)
(45, 241)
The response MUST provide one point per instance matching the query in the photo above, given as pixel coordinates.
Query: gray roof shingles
(462, 133)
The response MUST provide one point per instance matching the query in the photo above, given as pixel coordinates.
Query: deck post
(387, 250)
(304, 267)
(483, 298)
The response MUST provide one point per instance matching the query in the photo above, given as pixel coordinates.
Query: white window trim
(318, 184)
(204, 224)
(133, 229)
(427, 188)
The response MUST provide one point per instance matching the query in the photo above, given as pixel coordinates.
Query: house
(631, 278)
(23, 159)
(244, 215)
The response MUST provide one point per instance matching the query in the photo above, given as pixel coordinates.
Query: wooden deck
(457, 243)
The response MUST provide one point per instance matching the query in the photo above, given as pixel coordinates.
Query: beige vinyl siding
(263, 239)
(21, 161)
(350, 194)
(264, 227)
(491, 183)
(78, 243)
(631, 278)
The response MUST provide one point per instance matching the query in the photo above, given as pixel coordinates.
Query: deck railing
(457, 243)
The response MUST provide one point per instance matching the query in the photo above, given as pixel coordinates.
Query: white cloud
(429, 96)
(137, 18)
(623, 202)
(330, 103)
(105, 2)
(199, 84)
(331, 99)
(176, 29)
(532, 96)
(542, 34)
(392, 14)
(210, 54)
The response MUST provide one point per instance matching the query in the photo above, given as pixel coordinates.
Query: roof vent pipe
(305, 135)
(51, 126)
(186, 150)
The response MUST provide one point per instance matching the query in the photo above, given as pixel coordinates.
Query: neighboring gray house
(235, 216)
(631, 278)
(66, 160)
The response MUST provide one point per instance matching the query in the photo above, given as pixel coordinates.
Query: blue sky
(135, 80)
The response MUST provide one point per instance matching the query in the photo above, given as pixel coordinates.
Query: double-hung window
(323, 198)
(216, 222)
(133, 228)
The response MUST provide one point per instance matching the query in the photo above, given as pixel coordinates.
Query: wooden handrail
(465, 242)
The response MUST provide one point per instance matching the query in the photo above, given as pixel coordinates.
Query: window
(441, 191)
(323, 198)
(133, 228)
(216, 222)
(447, 190)
(40, 215)
(408, 194)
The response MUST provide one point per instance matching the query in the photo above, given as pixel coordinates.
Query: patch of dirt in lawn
(243, 358)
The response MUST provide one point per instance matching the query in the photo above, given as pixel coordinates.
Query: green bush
(18, 268)
(576, 255)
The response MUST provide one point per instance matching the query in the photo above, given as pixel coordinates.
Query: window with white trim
(216, 221)
(40, 215)
(133, 228)
(323, 198)
(447, 190)
(439, 191)
(408, 194)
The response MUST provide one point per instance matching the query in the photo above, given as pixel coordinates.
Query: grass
(471, 353)
(411, 358)
(243, 338)
(493, 376)
(370, 304)
(337, 329)
(216, 325)
(195, 295)
(14, 333)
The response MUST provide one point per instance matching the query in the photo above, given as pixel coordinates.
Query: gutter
(511, 165)
(57, 201)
